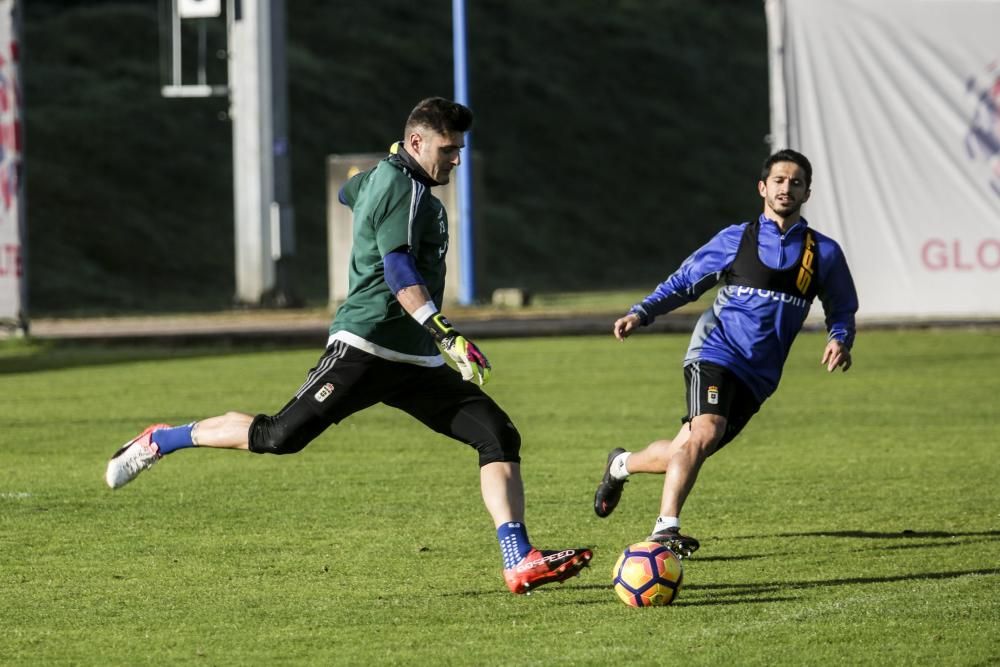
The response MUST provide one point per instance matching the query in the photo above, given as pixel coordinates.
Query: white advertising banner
(12, 288)
(897, 105)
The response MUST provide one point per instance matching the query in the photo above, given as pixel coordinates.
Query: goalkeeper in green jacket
(383, 348)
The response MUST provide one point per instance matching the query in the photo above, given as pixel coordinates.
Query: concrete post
(264, 236)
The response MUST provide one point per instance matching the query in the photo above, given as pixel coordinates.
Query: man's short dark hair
(788, 155)
(440, 115)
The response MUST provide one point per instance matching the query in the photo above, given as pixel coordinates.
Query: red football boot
(542, 567)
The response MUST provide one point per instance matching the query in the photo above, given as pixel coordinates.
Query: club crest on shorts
(713, 395)
(324, 392)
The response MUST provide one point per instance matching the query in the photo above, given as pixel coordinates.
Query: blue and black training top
(765, 299)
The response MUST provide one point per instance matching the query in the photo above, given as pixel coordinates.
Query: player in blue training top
(771, 270)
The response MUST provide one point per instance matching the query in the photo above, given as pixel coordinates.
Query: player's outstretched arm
(408, 287)
(471, 362)
(836, 355)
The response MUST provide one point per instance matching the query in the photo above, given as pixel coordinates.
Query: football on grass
(648, 574)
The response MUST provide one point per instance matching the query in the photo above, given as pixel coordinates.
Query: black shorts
(346, 380)
(714, 390)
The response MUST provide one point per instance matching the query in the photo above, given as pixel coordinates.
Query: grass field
(856, 521)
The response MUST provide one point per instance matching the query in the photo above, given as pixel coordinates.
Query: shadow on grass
(940, 539)
(755, 588)
(903, 534)
(609, 587)
(755, 593)
(28, 357)
(740, 593)
(720, 559)
(681, 602)
(947, 539)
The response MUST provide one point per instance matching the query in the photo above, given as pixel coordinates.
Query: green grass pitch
(856, 520)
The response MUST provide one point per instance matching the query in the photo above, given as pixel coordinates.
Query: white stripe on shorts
(337, 350)
(694, 396)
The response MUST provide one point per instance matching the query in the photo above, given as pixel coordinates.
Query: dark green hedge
(615, 137)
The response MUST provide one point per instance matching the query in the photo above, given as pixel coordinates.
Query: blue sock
(172, 439)
(514, 544)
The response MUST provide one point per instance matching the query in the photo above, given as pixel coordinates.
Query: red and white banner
(12, 276)
(897, 105)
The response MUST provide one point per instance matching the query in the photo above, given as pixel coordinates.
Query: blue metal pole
(467, 260)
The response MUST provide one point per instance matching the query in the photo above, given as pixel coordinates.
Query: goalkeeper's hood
(398, 155)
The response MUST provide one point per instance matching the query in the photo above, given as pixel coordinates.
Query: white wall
(897, 105)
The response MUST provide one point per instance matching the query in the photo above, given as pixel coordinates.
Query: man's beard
(787, 208)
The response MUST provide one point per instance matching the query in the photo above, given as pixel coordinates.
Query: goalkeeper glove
(472, 363)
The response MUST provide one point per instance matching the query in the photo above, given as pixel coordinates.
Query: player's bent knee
(701, 446)
(503, 447)
(706, 437)
(270, 436)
